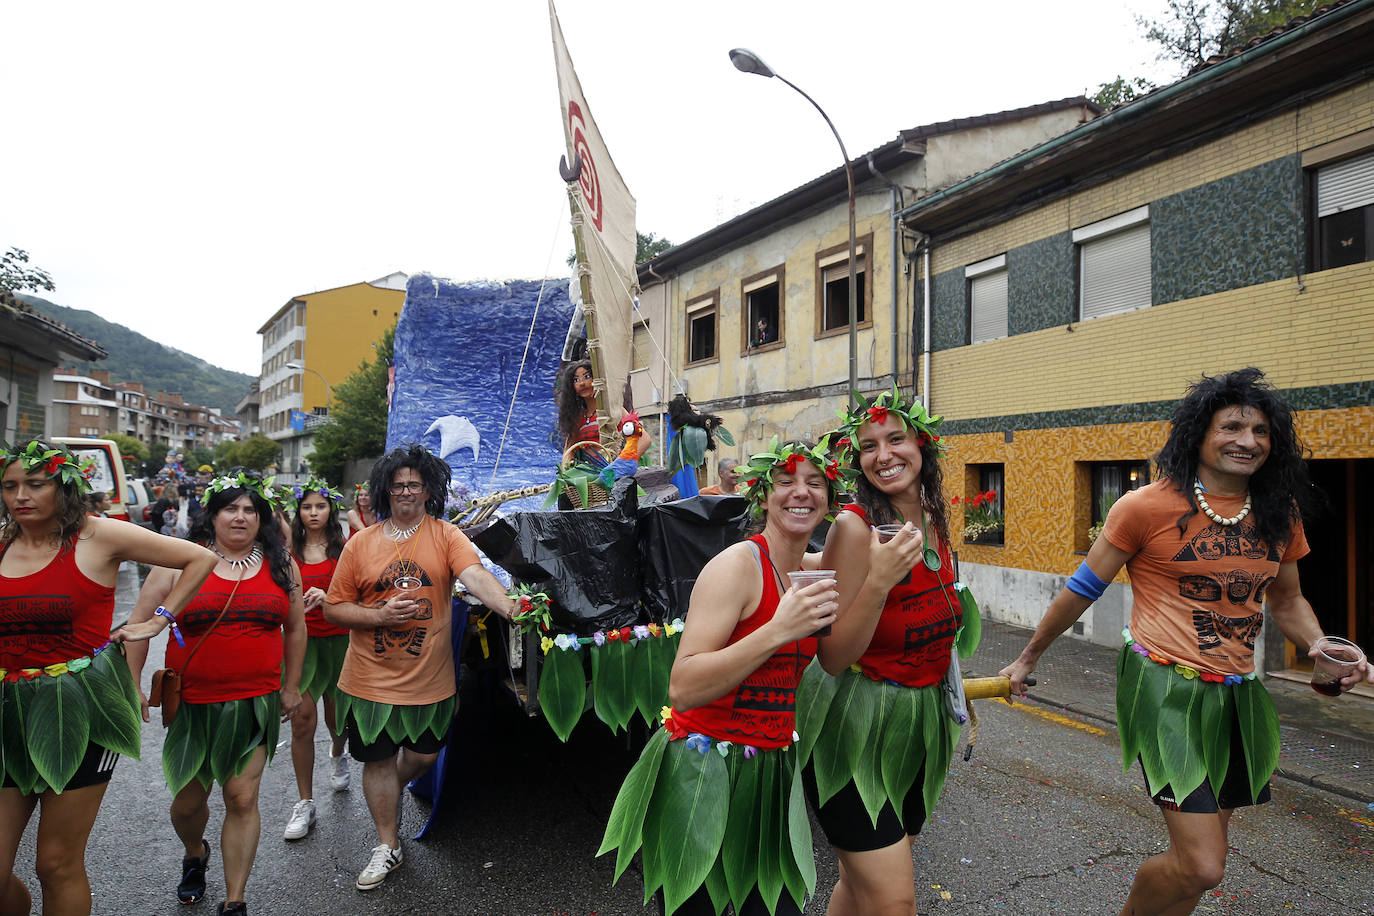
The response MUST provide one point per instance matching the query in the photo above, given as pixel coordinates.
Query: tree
(357, 423)
(1192, 31)
(130, 449)
(646, 246)
(1120, 91)
(198, 456)
(15, 277)
(255, 453)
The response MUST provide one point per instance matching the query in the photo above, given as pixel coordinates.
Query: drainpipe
(925, 324)
(896, 197)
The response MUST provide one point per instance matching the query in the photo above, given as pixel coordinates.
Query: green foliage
(133, 451)
(1192, 31)
(357, 422)
(646, 246)
(198, 456)
(135, 358)
(256, 453)
(1120, 91)
(14, 276)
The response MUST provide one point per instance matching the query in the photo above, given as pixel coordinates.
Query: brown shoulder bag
(165, 691)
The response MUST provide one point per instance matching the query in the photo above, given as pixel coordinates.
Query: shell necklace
(1210, 513)
(242, 563)
(400, 534)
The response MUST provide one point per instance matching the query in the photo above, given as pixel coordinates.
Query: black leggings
(699, 904)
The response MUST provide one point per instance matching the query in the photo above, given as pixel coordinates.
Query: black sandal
(192, 886)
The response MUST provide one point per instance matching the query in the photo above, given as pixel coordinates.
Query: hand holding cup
(804, 578)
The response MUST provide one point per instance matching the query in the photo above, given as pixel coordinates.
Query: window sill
(766, 348)
(702, 362)
(842, 330)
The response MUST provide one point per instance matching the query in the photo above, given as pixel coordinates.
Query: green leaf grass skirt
(876, 735)
(724, 821)
(400, 723)
(47, 722)
(324, 657)
(1180, 727)
(214, 741)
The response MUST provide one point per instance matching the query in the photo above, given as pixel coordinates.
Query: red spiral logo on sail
(590, 184)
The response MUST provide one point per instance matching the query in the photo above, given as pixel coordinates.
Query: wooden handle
(983, 688)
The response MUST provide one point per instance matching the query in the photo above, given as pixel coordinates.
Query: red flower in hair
(922, 440)
(877, 414)
(843, 443)
(832, 470)
(789, 466)
(751, 481)
(55, 462)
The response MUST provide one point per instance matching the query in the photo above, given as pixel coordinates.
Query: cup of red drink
(1336, 658)
(801, 578)
(887, 532)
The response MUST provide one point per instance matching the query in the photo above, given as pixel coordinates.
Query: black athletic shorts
(97, 766)
(1235, 788)
(384, 747)
(845, 820)
(699, 904)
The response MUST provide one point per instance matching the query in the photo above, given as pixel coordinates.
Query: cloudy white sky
(186, 168)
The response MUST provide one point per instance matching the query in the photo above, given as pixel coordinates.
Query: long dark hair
(333, 534)
(571, 407)
(880, 509)
(435, 473)
(71, 503)
(1280, 491)
(269, 532)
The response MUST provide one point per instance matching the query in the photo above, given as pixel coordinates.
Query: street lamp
(747, 61)
(297, 366)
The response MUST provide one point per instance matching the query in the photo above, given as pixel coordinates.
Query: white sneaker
(302, 819)
(339, 776)
(384, 861)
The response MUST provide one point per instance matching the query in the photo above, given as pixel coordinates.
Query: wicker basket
(597, 495)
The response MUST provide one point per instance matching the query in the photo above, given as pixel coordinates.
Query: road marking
(1062, 720)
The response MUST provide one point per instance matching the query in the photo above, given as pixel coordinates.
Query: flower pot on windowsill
(983, 535)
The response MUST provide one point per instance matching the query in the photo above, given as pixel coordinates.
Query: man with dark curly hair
(393, 589)
(1209, 545)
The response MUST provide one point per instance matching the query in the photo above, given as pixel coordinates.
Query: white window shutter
(1115, 273)
(988, 307)
(1345, 185)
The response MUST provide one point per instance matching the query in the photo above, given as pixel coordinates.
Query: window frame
(826, 258)
(987, 270)
(1113, 227)
(975, 476)
(694, 308)
(774, 276)
(1323, 158)
(637, 325)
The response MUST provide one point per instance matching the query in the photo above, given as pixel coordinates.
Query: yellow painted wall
(341, 326)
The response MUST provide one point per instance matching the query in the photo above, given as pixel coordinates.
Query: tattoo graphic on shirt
(36, 623)
(1235, 588)
(407, 640)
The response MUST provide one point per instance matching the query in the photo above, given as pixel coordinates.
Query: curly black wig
(333, 534)
(269, 532)
(1280, 491)
(571, 407)
(434, 471)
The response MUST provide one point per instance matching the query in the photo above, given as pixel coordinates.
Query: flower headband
(55, 461)
(758, 473)
(316, 485)
(877, 411)
(243, 480)
(362, 487)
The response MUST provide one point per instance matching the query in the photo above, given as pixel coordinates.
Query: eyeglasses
(413, 486)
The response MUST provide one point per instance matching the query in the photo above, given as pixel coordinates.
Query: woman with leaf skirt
(316, 542)
(712, 801)
(58, 662)
(243, 638)
(876, 738)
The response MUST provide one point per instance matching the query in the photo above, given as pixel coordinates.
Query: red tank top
(589, 431)
(916, 628)
(53, 615)
(761, 709)
(318, 575)
(242, 657)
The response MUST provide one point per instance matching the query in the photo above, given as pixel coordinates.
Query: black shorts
(384, 747)
(97, 766)
(1235, 788)
(845, 820)
(699, 904)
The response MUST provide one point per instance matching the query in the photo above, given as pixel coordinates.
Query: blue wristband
(1085, 582)
(176, 630)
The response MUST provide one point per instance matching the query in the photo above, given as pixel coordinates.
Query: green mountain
(135, 358)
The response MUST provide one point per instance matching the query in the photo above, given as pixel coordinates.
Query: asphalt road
(1041, 820)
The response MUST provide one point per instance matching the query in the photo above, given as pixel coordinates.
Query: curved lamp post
(747, 61)
(298, 366)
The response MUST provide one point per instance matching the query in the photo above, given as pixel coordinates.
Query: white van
(109, 470)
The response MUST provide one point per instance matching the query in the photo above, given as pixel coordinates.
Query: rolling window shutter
(1345, 185)
(1116, 272)
(988, 307)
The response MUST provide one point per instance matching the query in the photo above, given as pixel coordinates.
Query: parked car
(140, 503)
(109, 470)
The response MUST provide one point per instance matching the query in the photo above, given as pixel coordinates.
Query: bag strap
(192, 654)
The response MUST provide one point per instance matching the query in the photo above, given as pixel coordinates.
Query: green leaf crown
(39, 457)
(316, 485)
(758, 473)
(246, 480)
(877, 410)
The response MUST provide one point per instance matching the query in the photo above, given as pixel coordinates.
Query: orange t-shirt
(409, 665)
(1198, 598)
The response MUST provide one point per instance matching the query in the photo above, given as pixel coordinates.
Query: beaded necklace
(1210, 513)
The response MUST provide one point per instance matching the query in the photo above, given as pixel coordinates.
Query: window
(1345, 212)
(1114, 264)
(832, 287)
(1110, 480)
(983, 504)
(987, 299)
(762, 311)
(701, 328)
(640, 346)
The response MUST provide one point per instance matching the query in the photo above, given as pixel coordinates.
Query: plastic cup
(1335, 658)
(887, 532)
(800, 578)
(407, 587)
